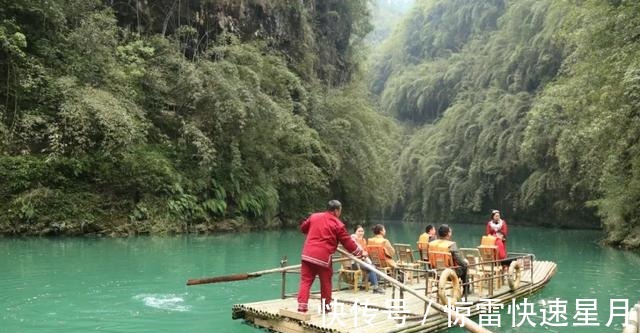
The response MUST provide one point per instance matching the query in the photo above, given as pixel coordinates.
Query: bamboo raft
(279, 315)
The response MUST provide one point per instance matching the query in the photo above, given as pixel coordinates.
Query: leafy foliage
(592, 114)
(185, 112)
(530, 106)
(468, 84)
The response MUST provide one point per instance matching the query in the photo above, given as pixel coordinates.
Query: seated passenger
(444, 244)
(378, 239)
(358, 236)
(429, 235)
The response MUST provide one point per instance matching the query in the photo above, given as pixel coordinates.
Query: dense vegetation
(529, 106)
(148, 116)
(121, 116)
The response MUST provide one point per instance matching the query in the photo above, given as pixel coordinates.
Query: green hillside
(526, 106)
(185, 116)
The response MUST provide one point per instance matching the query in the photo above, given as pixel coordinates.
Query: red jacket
(502, 250)
(324, 231)
(492, 228)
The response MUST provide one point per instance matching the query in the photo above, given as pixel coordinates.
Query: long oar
(469, 324)
(245, 276)
(239, 277)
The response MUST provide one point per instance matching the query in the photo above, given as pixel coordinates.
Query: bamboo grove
(123, 117)
(527, 106)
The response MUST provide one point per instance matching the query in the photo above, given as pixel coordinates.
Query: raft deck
(376, 313)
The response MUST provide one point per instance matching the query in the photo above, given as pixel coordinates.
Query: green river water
(138, 284)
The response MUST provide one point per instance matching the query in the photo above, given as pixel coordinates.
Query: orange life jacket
(440, 245)
(388, 249)
(423, 240)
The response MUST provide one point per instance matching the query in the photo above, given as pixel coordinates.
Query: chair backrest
(377, 256)
(471, 254)
(473, 261)
(439, 260)
(404, 253)
(488, 240)
(470, 251)
(488, 253)
(423, 249)
(344, 263)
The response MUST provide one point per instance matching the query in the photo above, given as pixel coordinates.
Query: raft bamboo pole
(246, 276)
(462, 321)
(239, 277)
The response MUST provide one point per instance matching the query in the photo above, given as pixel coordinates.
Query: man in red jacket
(324, 230)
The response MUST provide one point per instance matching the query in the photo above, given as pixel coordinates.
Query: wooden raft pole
(246, 276)
(469, 324)
(240, 277)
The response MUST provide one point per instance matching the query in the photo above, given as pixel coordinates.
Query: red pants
(308, 273)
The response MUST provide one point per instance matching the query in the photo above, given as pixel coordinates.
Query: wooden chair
(488, 240)
(351, 276)
(439, 261)
(379, 259)
(406, 260)
(470, 252)
(490, 266)
(473, 272)
(423, 253)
